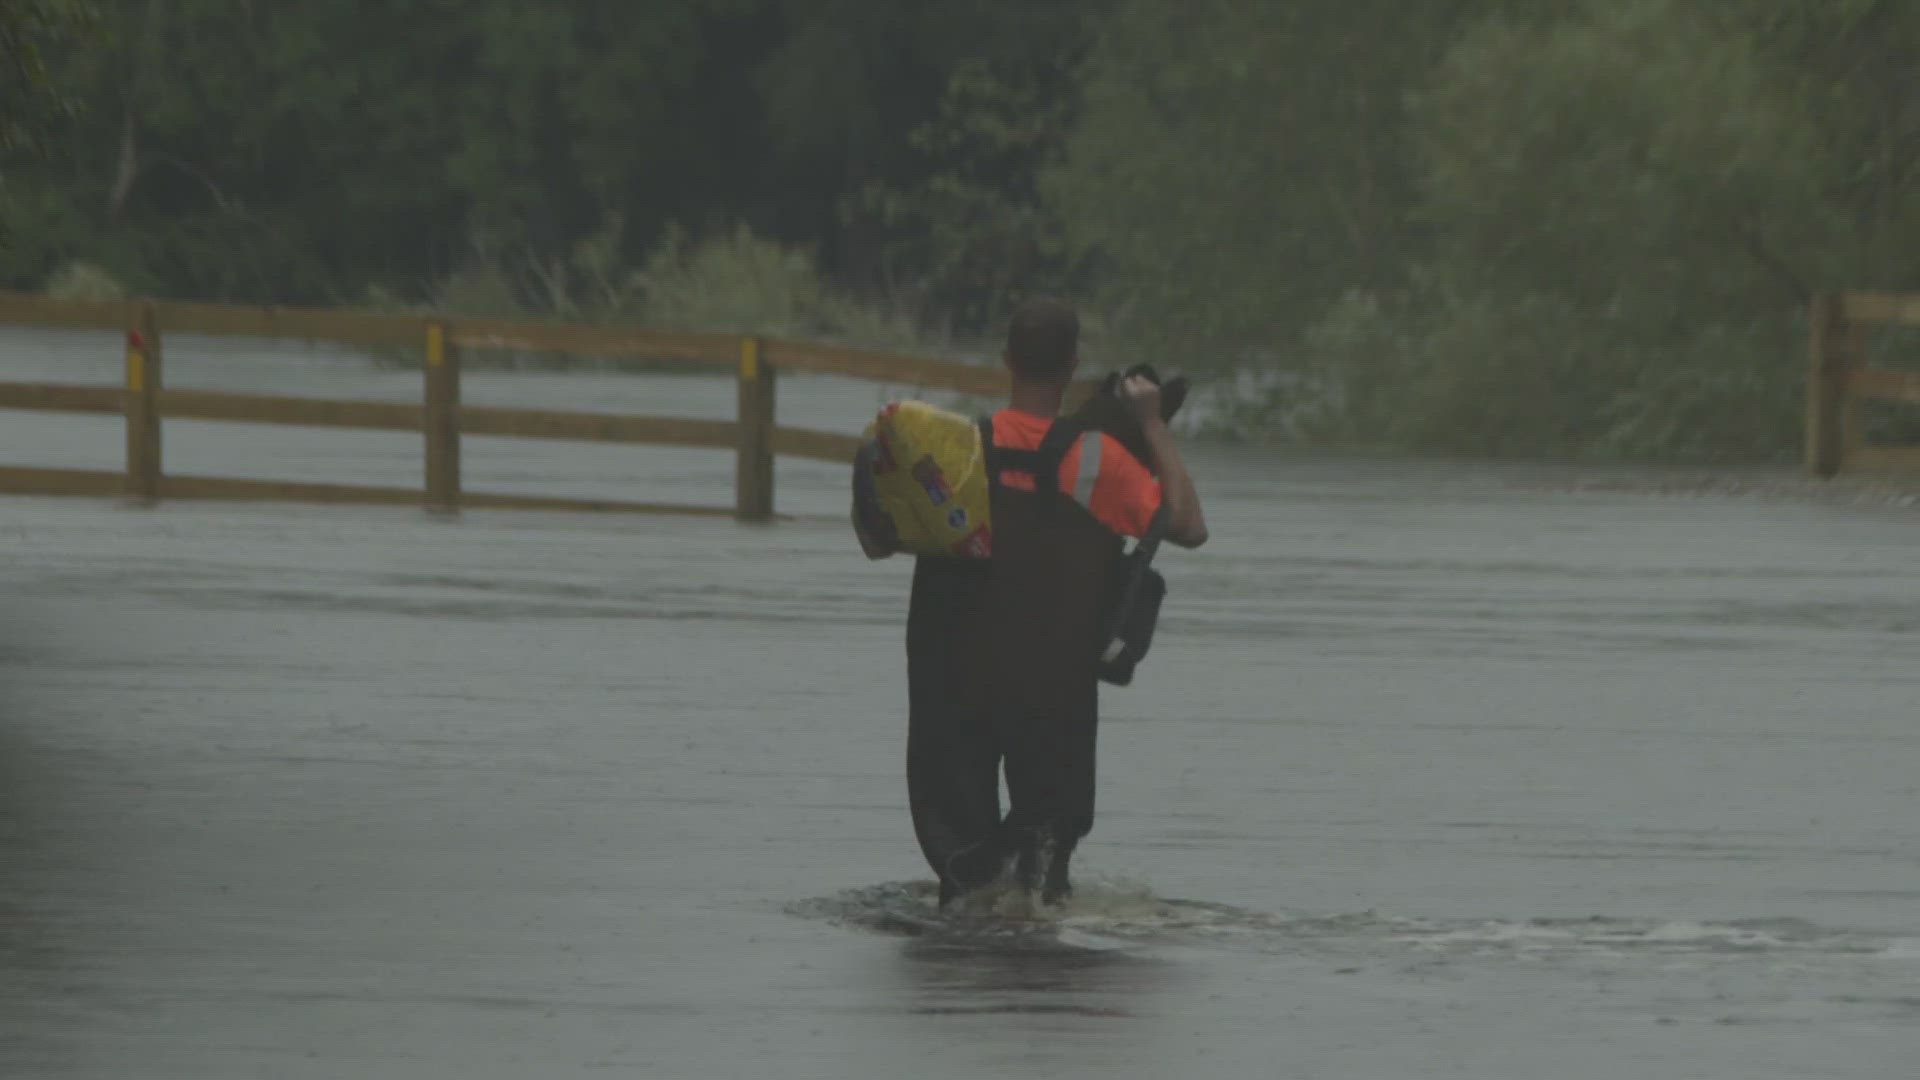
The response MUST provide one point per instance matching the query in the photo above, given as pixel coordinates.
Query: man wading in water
(1002, 653)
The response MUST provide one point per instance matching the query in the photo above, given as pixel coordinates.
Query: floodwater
(1437, 770)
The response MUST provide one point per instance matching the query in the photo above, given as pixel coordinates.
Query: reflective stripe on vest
(1090, 444)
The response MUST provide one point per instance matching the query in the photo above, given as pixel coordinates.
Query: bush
(1626, 205)
(733, 282)
(739, 282)
(1578, 228)
(1465, 369)
(1631, 205)
(84, 281)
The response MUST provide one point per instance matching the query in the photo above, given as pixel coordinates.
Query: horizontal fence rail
(1839, 380)
(308, 412)
(51, 398)
(753, 435)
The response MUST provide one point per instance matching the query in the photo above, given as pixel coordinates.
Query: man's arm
(1186, 524)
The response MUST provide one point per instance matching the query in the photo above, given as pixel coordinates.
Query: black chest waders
(1003, 669)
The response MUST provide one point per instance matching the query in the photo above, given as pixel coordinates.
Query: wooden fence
(1839, 379)
(753, 435)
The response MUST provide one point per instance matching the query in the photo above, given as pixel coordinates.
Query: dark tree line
(1519, 226)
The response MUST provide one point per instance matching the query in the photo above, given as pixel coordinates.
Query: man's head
(1043, 342)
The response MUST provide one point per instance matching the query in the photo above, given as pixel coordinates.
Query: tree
(29, 99)
(304, 152)
(971, 233)
(1238, 166)
(1631, 207)
(1577, 226)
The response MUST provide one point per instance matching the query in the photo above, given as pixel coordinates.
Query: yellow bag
(930, 480)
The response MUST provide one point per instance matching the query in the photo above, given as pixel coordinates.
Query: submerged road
(1435, 771)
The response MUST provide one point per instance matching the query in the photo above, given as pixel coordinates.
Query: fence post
(753, 471)
(1827, 363)
(143, 414)
(441, 421)
(1852, 347)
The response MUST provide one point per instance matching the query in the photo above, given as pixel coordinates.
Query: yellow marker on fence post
(441, 421)
(142, 412)
(753, 471)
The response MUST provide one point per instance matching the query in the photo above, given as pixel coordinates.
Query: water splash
(1109, 914)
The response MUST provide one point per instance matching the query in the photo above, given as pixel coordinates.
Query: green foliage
(1615, 155)
(1581, 227)
(1237, 166)
(731, 282)
(31, 101)
(1629, 215)
(84, 281)
(970, 233)
(974, 234)
(1604, 218)
(737, 282)
(306, 152)
(33, 105)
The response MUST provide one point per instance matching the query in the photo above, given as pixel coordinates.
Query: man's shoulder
(1127, 494)
(1116, 458)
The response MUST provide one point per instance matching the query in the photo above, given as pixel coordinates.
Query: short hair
(1042, 339)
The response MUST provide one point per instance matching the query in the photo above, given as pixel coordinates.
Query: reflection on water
(949, 978)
